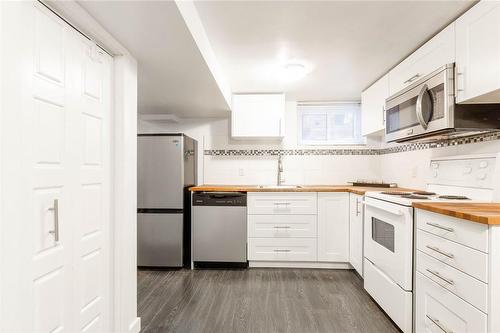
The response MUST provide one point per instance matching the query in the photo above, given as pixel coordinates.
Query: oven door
(425, 106)
(388, 236)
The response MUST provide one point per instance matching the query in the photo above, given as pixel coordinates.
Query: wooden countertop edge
(312, 188)
(462, 211)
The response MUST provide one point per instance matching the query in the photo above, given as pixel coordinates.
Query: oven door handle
(385, 209)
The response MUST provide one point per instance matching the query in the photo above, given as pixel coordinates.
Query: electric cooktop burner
(413, 196)
(453, 197)
(423, 193)
(396, 193)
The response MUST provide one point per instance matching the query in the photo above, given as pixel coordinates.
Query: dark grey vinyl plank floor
(257, 300)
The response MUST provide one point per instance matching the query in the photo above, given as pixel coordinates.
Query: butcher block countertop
(486, 213)
(306, 188)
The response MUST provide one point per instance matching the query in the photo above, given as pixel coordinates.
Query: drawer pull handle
(281, 203)
(282, 250)
(435, 249)
(440, 227)
(282, 227)
(436, 274)
(438, 324)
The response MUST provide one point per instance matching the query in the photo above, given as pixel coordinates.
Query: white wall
(248, 170)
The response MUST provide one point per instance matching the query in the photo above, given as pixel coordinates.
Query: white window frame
(316, 109)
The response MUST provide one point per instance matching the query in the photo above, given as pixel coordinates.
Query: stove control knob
(467, 170)
(483, 164)
(482, 176)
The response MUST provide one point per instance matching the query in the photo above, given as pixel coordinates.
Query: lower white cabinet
(282, 249)
(439, 310)
(356, 232)
(303, 227)
(333, 226)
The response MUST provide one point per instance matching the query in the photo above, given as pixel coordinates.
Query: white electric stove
(388, 226)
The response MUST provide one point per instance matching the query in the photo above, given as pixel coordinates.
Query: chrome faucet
(280, 170)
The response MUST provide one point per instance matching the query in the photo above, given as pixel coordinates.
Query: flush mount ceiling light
(294, 71)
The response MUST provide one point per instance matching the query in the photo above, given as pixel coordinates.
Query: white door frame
(123, 162)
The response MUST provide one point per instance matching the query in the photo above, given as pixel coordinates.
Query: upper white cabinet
(333, 226)
(438, 51)
(372, 106)
(258, 116)
(356, 232)
(478, 54)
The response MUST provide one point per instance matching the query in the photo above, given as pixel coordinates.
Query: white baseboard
(135, 326)
(300, 264)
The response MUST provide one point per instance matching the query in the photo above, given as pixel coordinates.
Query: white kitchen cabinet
(437, 52)
(372, 107)
(257, 116)
(333, 226)
(478, 54)
(356, 232)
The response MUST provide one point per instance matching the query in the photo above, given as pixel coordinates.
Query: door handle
(438, 324)
(420, 113)
(440, 227)
(388, 210)
(55, 209)
(435, 249)
(416, 76)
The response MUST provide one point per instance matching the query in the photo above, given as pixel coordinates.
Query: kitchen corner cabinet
(372, 107)
(437, 52)
(333, 226)
(356, 232)
(257, 116)
(478, 54)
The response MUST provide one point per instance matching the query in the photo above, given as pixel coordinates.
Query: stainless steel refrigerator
(166, 169)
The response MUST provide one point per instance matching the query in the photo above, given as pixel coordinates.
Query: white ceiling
(349, 44)
(173, 76)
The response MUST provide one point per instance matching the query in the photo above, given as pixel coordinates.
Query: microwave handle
(419, 110)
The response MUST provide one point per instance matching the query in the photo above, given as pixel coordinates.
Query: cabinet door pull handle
(416, 76)
(55, 209)
(435, 249)
(436, 274)
(435, 225)
(438, 324)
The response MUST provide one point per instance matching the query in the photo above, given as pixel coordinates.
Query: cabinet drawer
(466, 287)
(282, 226)
(463, 258)
(439, 310)
(282, 249)
(472, 234)
(282, 203)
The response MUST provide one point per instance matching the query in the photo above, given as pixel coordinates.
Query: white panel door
(478, 54)
(90, 70)
(333, 227)
(41, 160)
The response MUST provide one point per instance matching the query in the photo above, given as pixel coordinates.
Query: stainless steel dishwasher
(219, 229)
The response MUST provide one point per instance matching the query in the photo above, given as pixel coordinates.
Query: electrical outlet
(241, 172)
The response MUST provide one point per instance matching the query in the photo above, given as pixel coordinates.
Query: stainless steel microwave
(426, 111)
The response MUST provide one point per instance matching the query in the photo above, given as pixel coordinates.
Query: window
(329, 124)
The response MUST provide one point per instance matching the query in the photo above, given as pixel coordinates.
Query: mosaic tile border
(353, 151)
